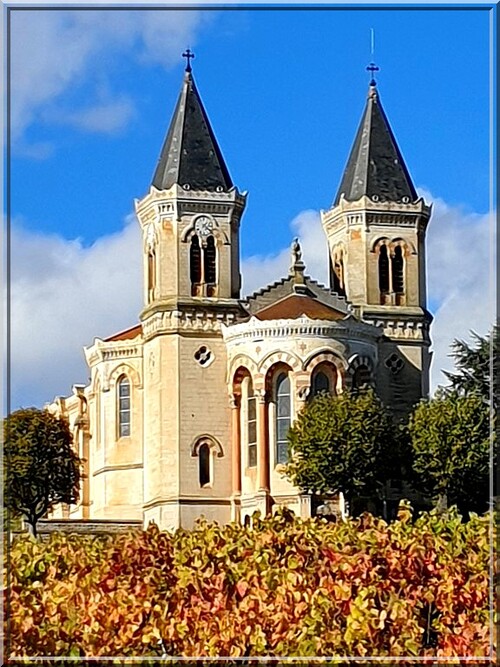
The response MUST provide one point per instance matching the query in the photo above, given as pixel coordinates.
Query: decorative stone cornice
(403, 329)
(177, 200)
(170, 321)
(255, 329)
(367, 212)
(112, 350)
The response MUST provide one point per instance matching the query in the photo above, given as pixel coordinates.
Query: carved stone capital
(234, 401)
(261, 395)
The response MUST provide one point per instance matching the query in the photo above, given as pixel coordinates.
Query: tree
(450, 440)
(345, 443)
(41, 467)
(473, 365)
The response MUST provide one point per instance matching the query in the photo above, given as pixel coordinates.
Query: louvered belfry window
(210, 261)
(195, 261)
(398, 283)
(383, 270)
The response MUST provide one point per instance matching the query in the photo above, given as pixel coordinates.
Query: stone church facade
(186, 412)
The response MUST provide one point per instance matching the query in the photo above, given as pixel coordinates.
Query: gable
(295, 305)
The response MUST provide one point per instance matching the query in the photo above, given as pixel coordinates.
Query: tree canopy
(473, 363)
(41, 469)
(450, 439)
(344, 443)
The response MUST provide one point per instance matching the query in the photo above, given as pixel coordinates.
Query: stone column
(262, 442)
(86, 478)
(83, 451)
(301, 396)
(235, 402)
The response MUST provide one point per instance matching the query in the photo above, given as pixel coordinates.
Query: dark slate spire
(375, 166)
(190, 154)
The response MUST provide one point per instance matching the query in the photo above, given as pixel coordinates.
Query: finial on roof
(373, 68)
(189, 55)
(297, 268)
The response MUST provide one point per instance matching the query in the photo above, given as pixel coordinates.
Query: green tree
(473, 365)
(345, 443)
(450, 441)
(40, 466)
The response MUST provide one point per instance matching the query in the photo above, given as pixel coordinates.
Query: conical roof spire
(190, 155)
(375, 166)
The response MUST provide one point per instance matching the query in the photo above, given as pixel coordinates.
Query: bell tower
(376, 238)
(190, 222)
(190, 217)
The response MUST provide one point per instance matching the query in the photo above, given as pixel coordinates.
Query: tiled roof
(376, 167)
(128, 334)
(190, 155)
(296, 305)
(276, 292)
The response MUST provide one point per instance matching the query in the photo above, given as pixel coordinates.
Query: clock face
(203, 225)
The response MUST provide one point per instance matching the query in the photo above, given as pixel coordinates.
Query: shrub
(286, 587)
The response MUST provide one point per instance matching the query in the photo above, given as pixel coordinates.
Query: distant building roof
(375, 166)
(128, 334)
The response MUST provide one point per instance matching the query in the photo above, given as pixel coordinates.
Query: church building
(186, 412)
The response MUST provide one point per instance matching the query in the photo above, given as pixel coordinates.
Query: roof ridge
(267, 288)
(328, 290)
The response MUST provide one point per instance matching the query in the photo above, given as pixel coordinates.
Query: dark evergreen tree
(474, 364)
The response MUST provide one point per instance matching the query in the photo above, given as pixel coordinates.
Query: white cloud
(107, 117)
(260, 270)
(64, 294)
(55, 51)
(460, 263)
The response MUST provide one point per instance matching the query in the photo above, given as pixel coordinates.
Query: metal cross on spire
(373, 68)
(189, 55)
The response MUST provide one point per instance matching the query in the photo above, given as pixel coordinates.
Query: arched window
(123, 407)
(398, 283)
(383, 270)
(195, 264)
(210, 265)
(204, 464)
(151, 273)
(320, 384)
(338, 274)
(283, 414)
(361, 377)
(251, 427)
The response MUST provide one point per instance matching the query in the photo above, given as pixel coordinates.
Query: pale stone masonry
(186, 412)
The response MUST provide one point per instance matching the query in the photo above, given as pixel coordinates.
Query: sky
(91, 96)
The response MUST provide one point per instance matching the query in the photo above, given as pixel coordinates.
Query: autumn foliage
(285, 587)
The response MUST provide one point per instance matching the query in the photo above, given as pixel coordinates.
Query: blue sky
(92, 93)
